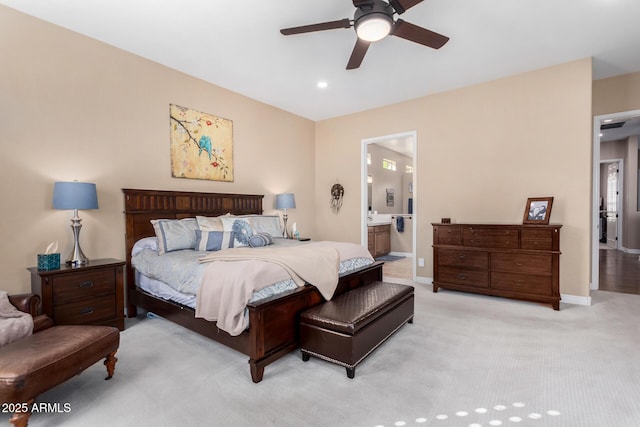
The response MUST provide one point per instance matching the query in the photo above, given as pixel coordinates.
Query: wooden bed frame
(273, 322)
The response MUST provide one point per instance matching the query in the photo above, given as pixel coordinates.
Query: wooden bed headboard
(141, 206)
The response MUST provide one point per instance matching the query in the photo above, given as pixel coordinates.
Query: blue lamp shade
(285, 201)
(75, 195)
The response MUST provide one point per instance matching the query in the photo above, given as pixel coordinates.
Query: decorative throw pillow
(175, 234)
(213, 240)
(240, 228)
(209, 223)
(260, 239)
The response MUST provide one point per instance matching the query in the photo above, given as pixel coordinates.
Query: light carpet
(467, 360)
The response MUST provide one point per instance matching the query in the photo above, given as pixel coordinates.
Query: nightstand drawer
(85, 312)
(88, 284)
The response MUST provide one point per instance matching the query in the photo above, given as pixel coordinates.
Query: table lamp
(285, 201)
(75, 195)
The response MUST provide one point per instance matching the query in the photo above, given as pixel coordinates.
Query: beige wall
(74, 108)
(481, 152)
(616, 94)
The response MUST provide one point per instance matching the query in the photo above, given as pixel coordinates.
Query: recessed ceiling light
(322, 84)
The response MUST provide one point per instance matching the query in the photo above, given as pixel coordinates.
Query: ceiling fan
(373, 21)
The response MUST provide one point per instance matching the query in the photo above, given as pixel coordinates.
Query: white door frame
(364, 188)
(595, 196)
(619, 197)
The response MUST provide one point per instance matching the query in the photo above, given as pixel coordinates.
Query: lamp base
(285, 233)
(77, 257)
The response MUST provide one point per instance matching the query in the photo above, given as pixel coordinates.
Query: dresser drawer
(87, 284)
(85, 312)
(461, 276)
(490, 238)
(537, 239)
(447, 235)
(530, 284)
(522, 263)
(458, 258)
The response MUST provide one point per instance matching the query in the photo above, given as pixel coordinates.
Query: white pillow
(209, 223)
(145, 243)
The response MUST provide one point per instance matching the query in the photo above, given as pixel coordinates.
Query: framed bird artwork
(201, 145)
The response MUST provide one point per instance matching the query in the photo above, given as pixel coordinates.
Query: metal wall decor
(337, 193)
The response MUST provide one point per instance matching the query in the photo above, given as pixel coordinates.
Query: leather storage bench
(41, 361)
(351, 326)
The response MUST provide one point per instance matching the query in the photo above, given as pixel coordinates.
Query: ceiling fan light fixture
(373, 26)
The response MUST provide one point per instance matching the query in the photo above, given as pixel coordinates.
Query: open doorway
(616, 202)
(388, 203)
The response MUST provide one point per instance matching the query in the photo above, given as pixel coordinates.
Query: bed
(273, 321)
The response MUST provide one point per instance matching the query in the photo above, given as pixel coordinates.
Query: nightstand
(89, 294)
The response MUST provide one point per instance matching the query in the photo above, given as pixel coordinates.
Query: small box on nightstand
(48, 261)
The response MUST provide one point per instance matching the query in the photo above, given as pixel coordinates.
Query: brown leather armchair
(49, 357)
(30, 303)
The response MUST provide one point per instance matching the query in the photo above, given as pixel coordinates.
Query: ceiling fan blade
(343, 23)
(400, 6)
(358, 3)
(359, 50)
(408, 31)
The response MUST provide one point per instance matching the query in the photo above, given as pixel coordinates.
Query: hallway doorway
(615, 253)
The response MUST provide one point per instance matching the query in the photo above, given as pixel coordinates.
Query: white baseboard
(424, 280)
(569, 299)
(575, 299)
(404, 254)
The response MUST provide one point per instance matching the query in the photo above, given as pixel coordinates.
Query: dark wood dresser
(90, 294)
(506, 260)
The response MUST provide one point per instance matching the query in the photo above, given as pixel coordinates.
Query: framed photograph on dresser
(537, 210)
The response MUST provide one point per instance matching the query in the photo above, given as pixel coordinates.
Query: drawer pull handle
(461, 276)
(86, 284)
(86, 310)
(462, 256)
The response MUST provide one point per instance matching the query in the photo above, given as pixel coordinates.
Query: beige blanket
(14, 324)
(224, 301)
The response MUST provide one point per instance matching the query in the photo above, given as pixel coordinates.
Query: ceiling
(619, 129)
(237, 44)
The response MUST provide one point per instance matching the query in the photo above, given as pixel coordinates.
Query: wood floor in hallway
(619, 271)
(399, 269)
